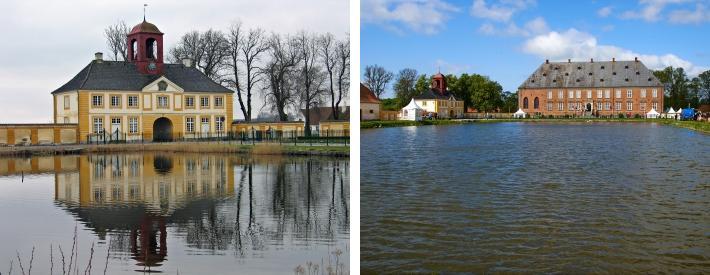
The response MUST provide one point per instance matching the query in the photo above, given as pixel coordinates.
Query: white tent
(670, 114)
(652, 114)
(412, 111)
(519, 114)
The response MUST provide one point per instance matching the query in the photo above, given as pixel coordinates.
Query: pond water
(174, 213)
(535, 198)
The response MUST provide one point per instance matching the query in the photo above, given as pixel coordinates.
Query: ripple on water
(538, 198)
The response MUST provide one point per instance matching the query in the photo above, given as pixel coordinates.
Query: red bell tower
(438, 82)
(145, 48)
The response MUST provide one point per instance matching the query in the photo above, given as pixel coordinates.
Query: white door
(115, 128)
(205, 127)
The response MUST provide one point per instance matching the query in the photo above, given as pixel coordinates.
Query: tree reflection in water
(274, 203)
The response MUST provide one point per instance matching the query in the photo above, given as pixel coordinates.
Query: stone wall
(37, 134)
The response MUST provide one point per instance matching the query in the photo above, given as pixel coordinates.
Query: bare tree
(208, 50)
(328, 53)
(214, 54)
(246, 49)
(377, 78)
(310, 77)
(278, 92)
(189, 46)
(343, 65)
(116, 40)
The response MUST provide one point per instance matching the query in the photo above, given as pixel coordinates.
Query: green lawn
(703, 127)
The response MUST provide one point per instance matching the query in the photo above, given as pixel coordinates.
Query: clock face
(152, 66)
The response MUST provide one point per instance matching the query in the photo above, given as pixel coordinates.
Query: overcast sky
(45, 43)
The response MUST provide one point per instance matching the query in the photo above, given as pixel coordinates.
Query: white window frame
(617, 93)
(629, 106)
(132, 101)
(617, 106)
(607, 93)
(655, 93)
(561, 94)
(190, 124)
(133, 125)
(600, 93)
(115, 101)
(570, 94)
(549, 94)
(219, 124)
(643, 93)
(579, 93)
(549, 106)
(163, 104)
(642, 106)
(204, 102)
(98, 125)
(589, 94)
(561, 106)
(629, 93)
(655, 105)
(97, 101)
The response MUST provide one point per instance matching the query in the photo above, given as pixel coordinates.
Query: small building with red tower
(439, 101)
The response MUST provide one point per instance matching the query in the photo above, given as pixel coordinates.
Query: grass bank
(181, 147)
(703, 127)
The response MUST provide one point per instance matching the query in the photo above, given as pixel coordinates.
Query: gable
(169, 86)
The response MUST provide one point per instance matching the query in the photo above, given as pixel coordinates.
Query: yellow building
(439, 101)
(143, 97)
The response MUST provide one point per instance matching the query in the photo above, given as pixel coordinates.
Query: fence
(323, 137)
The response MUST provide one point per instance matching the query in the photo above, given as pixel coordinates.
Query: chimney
(569, 60)
(99, 57)
(636, 59)
(187, 62)
(547, 61)
(592, 60)
(613, 59)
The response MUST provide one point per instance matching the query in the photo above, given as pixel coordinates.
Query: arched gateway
(162, 129)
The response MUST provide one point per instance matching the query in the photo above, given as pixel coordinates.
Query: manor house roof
(123, 76)
(605, 74)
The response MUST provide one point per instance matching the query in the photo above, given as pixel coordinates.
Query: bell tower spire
(145, 47)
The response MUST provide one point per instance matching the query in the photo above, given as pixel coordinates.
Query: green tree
(510, 102)
(703, 83)
(390, 104)
(423, 84)
(485, 94)
(404, 86)
(676, 83)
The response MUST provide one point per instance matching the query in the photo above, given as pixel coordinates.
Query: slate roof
(603, 74)
(121, 75)
(435, 94)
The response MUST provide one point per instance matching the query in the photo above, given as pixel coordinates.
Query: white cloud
(532, 27)
(502, 11)
(425, 16)
(605, 11)
(578, 45)
(650, 9)
(699, 15)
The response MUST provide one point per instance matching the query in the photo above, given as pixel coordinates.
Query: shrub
(621, 115)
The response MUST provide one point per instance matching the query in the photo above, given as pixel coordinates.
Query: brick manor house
(600, 89)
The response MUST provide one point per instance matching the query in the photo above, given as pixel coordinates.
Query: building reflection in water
(206, 202)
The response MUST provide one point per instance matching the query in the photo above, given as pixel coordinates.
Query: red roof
(145, 27)
(367, 96)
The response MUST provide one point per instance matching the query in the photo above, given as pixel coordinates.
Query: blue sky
(507, 39)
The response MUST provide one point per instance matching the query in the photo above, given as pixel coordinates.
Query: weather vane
(144, 5)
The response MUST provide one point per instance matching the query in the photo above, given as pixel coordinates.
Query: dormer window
(554, 80)
(601, 80)
(614, 73)
(626, 67)
(577, 79)
(544, 74)
(626, 79)
(579, 67)
(566, 74)
(638, 73)
(590, 73)
(602, 67)
(533, 80)
(649, 79)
